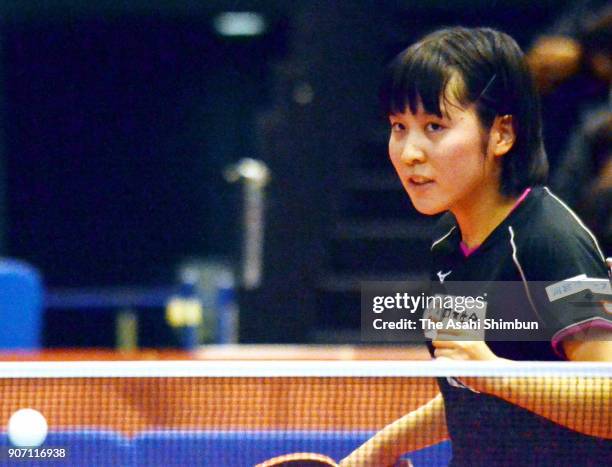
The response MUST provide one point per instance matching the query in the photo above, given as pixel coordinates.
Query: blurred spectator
(554, 59)
(561, 63)
(594, 201)
(584, 178)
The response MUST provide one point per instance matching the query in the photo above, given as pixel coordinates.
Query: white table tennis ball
(27, 428)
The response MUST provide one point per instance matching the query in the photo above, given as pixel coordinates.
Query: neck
(477, 221)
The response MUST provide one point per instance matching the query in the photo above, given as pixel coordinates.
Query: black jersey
(541, 240)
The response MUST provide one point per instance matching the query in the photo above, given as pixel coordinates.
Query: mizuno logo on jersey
(442, 276)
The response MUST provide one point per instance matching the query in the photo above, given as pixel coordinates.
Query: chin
(429, 209)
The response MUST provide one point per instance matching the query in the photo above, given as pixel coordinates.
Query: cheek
(394, 153)
(461, 159)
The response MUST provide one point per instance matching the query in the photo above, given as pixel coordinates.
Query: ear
(502, 135)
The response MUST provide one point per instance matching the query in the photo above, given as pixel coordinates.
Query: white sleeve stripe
(520, 270)
(443, 238)
(580, 223)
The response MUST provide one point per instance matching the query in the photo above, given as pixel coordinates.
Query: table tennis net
(243, 413)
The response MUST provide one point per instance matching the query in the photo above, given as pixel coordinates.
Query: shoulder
(554, 242)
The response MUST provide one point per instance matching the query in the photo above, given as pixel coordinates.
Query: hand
(450, 345)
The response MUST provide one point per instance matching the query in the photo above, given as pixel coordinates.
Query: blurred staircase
(378, 235)
(337, 215)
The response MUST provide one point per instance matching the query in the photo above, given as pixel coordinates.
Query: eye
(433, 127)
(397, 127)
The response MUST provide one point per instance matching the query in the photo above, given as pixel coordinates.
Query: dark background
(118, 118)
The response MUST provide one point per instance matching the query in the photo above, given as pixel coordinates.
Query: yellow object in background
(182, 312)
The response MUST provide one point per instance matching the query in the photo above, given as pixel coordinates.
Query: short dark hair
(492, 75)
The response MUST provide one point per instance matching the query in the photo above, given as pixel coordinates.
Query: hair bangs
(417, 77)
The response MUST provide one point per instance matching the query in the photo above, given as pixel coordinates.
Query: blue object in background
(238, 448)
(95, 448)
(164, 448)
(212, 282)
(20, 306)
(438, 455)
(191, 300)
(247, 448)
(226, 309)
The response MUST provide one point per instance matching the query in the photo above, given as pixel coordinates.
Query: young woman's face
(441, 162)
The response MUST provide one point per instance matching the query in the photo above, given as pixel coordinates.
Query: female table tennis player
(465, 140)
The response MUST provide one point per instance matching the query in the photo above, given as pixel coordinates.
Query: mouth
(417, 180)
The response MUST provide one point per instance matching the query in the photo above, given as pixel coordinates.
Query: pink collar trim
(520, 200)
(467, 251)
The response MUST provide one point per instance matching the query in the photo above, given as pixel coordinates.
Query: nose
(412, 154)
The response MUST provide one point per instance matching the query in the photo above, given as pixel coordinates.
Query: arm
(597, 348)
(581, 404)
(418, 429)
